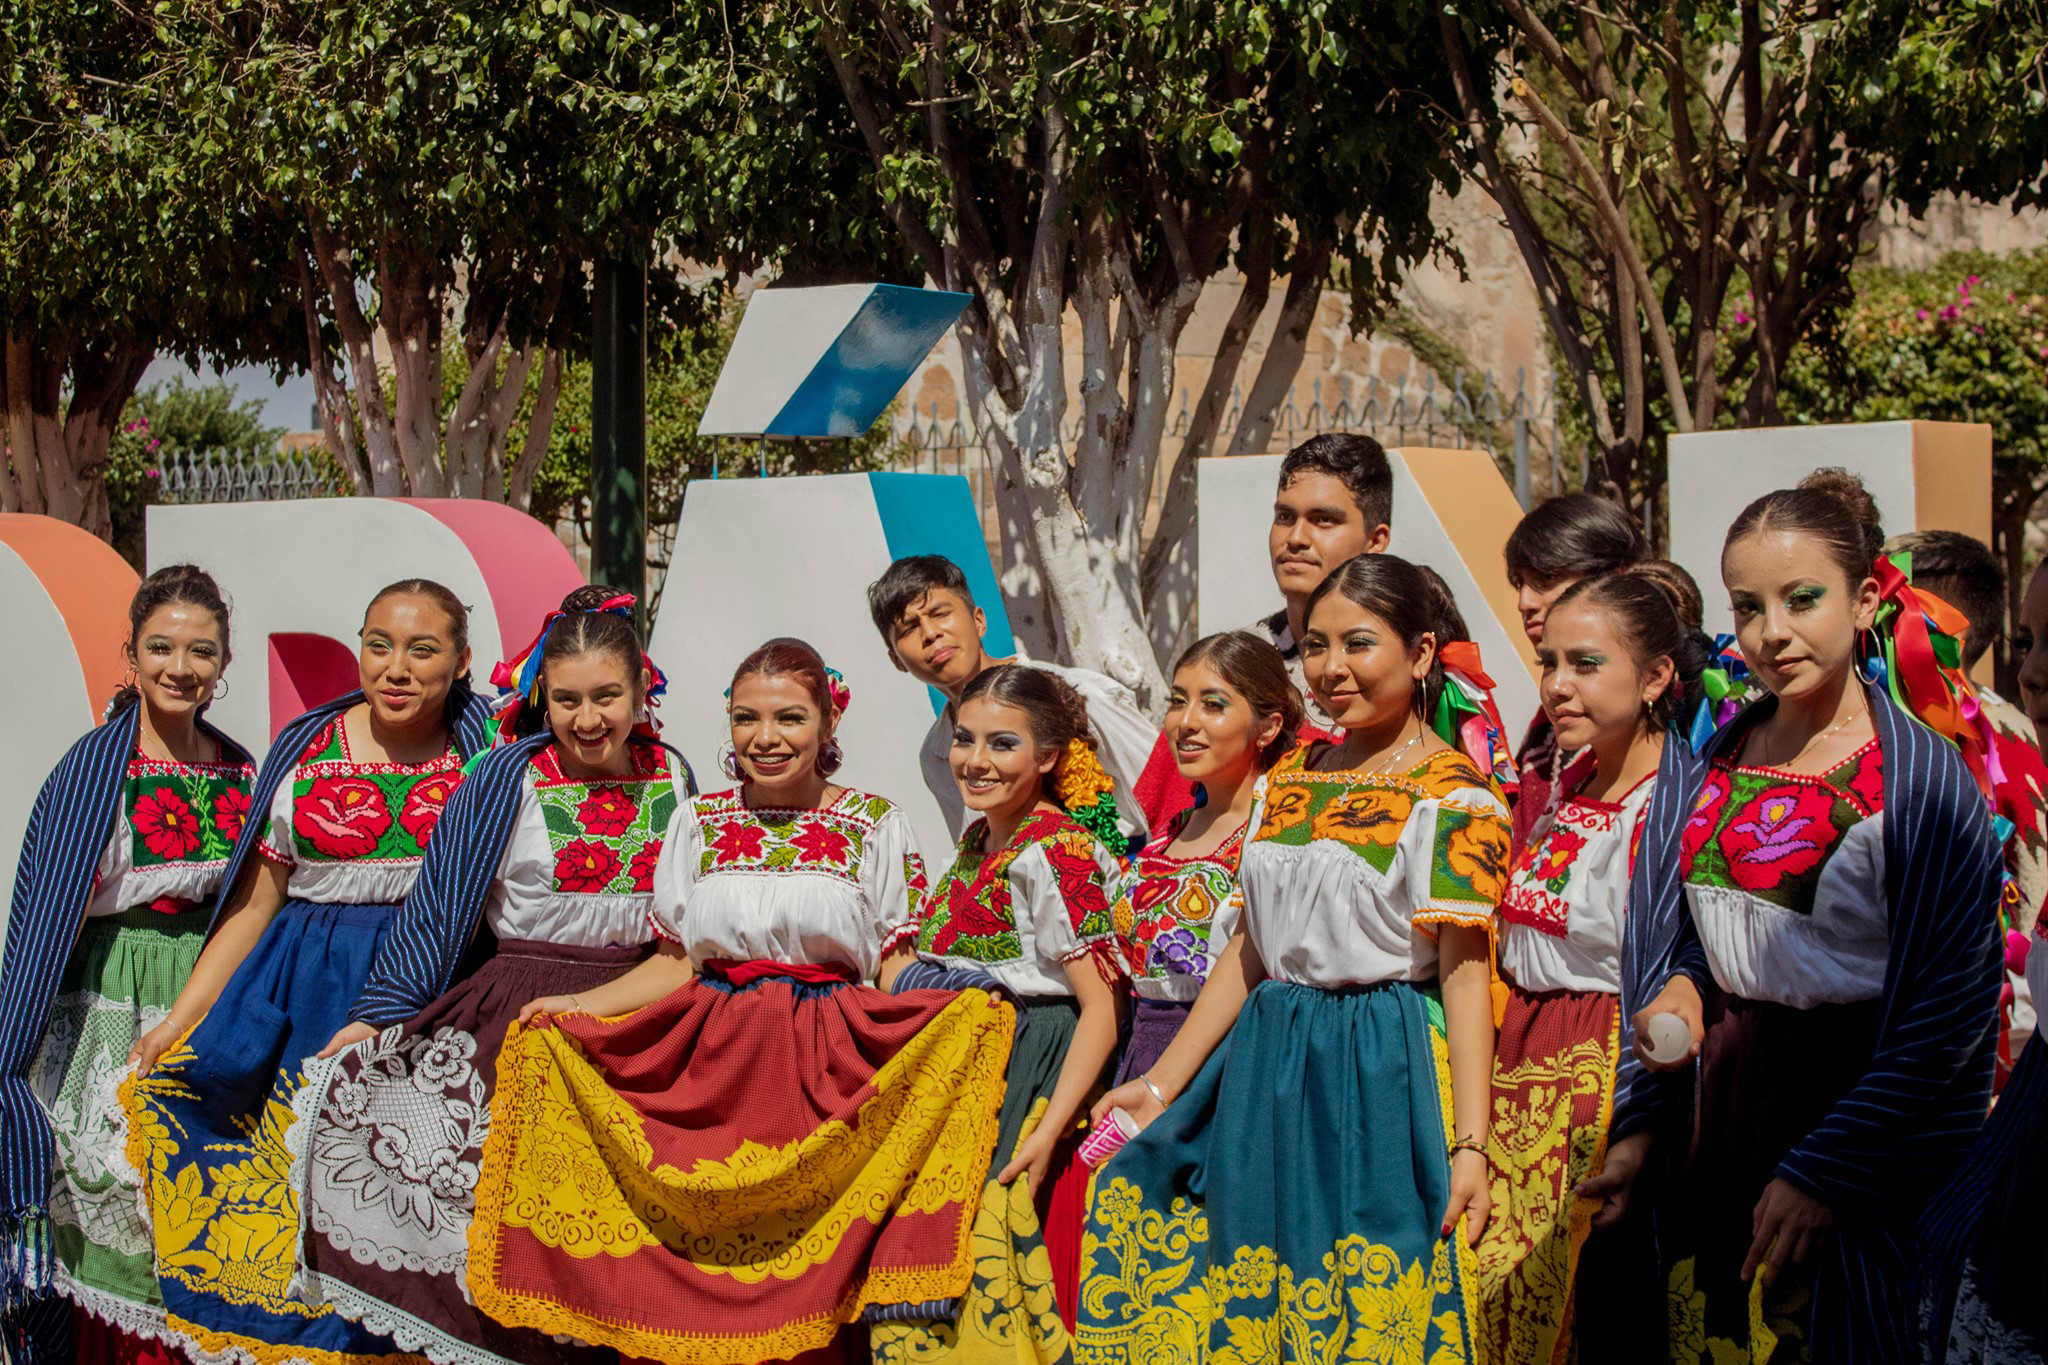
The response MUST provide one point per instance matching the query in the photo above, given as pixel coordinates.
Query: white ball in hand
(1666, 1037)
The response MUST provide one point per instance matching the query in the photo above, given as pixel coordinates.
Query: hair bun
(1848, 490)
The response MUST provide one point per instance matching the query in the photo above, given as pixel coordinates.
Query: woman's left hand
(1034, 1159)
(1792, 1219)
(1469, 1196)
(348, 1037)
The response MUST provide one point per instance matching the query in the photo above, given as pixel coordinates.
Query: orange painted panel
(90, 585)
(1478, 512)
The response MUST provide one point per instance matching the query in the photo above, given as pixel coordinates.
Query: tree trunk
(335, 261)
(517, 485)
(409, 314)
(58, 450)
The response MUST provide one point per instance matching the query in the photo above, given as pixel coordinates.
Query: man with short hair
(927, 617)
(1962, 571)
(1335, 502)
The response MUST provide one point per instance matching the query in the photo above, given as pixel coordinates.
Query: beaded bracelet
(1468, 1145)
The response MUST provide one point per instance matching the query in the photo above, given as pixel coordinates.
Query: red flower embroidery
(1706, 813)
(166, 823)
(424, 804)
(1081, 887)
(1866, 785)
(1155, 884)
(1552, 863)
(607, 812)
(641, 869)
(973, 910)
(1782, 832)
(586, 866)
(820, 843)
(230, 812)
(342, 817)
(737, 839)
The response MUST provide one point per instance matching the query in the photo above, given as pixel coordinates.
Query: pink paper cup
(1106, 1138)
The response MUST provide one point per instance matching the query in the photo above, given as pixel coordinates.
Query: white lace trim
(406, 1331)
(123, 1315)
(298, 1142)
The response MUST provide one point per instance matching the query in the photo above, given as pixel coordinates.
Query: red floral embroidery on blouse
(168, 827)
(1553, 861)
(586, 866)
(1080, 885)
(1783, 832)
(424, 804)
(230, 812)
(642, 866)
(342, 817)
(818, 842)
(607, 812)
(1706, 813)
(738, 839)
(1866, 785)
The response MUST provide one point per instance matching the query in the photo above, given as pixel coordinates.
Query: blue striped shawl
(1899, 1130)
(426, 946)
(68, 829)
(468, 719)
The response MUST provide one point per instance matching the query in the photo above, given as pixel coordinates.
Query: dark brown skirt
(394, 1153)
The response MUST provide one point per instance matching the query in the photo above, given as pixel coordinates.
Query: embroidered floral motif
(737, 842)
(166, 825)
(606, 835)
(831, 840)
(1770, 833)
(1474, 863)
(1366, 816)
(346, 811)
(230, 813)
(1553, 864)
(341, 817)
(1166, 905)
(1536, 894)
(970, 914)
(423, 807)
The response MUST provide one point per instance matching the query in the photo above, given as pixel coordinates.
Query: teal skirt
(1287, 1206)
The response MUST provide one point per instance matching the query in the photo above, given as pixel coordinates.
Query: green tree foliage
(116, 242)
(167, 420)
(1965, 340)
(1099, 162)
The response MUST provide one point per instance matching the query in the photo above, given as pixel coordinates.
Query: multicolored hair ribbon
(518, 679)
(1729, 688)
(1466, 717)
(1919, 660)
(1084, 790)
(835, 683)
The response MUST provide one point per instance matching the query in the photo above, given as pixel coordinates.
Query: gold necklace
(1838, 726)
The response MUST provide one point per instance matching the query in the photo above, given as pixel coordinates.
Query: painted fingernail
(1444, 1231)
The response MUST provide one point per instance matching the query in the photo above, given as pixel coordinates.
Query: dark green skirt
(1287, 1206)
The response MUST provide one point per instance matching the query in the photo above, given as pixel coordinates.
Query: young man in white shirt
(1335, 502)
(927, 617)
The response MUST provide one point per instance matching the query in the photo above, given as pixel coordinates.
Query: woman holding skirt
(345, 805)
(1317, 1178)
(739, 1149)
(1616, 663)
(552, 844)
(126, 845)
(1026, 901)
(1232, 713)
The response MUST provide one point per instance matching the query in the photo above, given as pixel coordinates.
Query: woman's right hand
(549, 1004)
(1135, 1098)
(154, 1044)
(1682, 998)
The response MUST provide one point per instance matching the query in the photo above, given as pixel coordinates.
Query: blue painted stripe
(933, 514)
(867, 363)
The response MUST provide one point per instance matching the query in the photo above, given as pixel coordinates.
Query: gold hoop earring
(220, 689)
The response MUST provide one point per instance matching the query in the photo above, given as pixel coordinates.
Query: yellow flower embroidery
(1372, 815)
(1478, 853)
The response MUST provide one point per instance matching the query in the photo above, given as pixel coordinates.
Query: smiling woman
(343, 812)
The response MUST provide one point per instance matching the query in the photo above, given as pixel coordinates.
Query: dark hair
(905, 581)
(788, 657)
(1412, 600)
(1256, 671)
(1961, 571)
(584, 630)
(1357, 462)
(1056, 711)
(1831, 505)
(1647, 613)
(447, 601)
(1577, 534)
(1681, 587)
(173, 585)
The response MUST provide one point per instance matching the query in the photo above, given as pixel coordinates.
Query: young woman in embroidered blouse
(1834, 955)
(1232, 713)
(551, 843)
(1026, 900)
(1321, 1154)
(128, 841)
(761, 1141)
(1616, 662)
(348, 797)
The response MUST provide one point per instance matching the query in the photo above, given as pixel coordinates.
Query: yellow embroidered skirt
(734, 1174)
(1287, 1206)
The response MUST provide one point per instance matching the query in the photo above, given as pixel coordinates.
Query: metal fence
(188, 476)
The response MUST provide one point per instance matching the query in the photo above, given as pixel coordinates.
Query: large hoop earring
(220, 689)
(1870, 664)
(129, 679)
(830, 757)
(729, 761)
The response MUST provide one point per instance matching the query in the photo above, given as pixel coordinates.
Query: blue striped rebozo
(68, 830)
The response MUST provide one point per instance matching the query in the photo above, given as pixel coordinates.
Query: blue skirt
(215, 1132)
(1287, 1206)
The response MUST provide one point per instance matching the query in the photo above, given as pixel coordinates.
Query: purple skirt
(1153, 1024)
